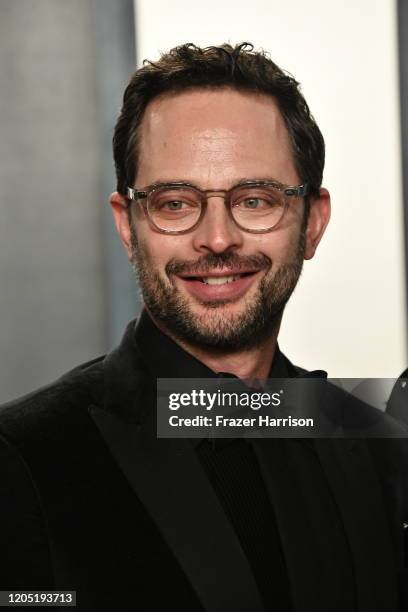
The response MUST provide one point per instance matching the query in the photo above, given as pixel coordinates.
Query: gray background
(66, 289)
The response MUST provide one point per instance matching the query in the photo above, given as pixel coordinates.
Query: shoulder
(397, 404)
(42, 440)
(50, 441)
(39, 413)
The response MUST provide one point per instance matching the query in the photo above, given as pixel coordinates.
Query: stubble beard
(219, 329)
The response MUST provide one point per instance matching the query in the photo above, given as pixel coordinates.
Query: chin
(237, 307)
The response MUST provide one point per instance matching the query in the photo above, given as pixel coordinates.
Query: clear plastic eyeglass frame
(147, 195)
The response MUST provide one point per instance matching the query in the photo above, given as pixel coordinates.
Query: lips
(217, 279)
(217, 274)
(219, 285)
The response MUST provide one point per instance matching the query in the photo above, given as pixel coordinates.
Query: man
(219, 200)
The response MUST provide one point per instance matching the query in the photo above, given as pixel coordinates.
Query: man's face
(217, 286)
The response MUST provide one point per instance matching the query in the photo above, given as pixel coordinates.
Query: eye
(257, 199)
(175, 202)
(176, 206)
(253, 203)
(173, 205)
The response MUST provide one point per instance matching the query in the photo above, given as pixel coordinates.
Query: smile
(219, 286)
(220, 280)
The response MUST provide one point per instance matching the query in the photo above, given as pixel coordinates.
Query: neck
(249, 364)
(252, 364)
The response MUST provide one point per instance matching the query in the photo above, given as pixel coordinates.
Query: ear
(319, 216)
(121, 218)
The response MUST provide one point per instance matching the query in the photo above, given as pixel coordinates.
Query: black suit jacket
(92, 501)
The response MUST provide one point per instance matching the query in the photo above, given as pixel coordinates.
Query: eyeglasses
(255, 206)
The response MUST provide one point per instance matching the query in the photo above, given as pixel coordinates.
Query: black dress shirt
(232, 468)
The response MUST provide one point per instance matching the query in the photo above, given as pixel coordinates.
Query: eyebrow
(176, 182)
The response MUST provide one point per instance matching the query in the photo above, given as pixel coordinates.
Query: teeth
(220, 280)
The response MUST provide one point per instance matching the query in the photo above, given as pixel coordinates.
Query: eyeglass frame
(134, 194)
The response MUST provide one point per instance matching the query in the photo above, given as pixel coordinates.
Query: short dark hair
(241, 68)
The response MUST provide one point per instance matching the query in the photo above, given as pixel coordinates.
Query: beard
(219, 330)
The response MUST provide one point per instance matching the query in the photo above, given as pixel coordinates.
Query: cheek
(281, 246)
(155, 249)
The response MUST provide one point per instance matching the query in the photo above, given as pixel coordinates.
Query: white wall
(348, 312)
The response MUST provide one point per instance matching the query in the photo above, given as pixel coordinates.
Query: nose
(217, 231)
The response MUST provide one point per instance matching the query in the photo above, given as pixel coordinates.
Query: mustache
(212, 261)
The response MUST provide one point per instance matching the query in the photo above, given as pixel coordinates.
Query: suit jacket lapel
(167, 476)
(312, 537)
(357, 491)
(169, 480)
(308, 511)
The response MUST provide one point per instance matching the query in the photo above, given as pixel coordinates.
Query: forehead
(209, 136)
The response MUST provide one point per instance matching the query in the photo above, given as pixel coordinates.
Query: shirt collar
(166, 359)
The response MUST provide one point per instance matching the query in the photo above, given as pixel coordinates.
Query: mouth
(221, 285)
(217, 279)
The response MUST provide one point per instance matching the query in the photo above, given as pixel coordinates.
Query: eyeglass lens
(252, 207)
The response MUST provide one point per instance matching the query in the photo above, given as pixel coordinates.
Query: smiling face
(217, 286)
